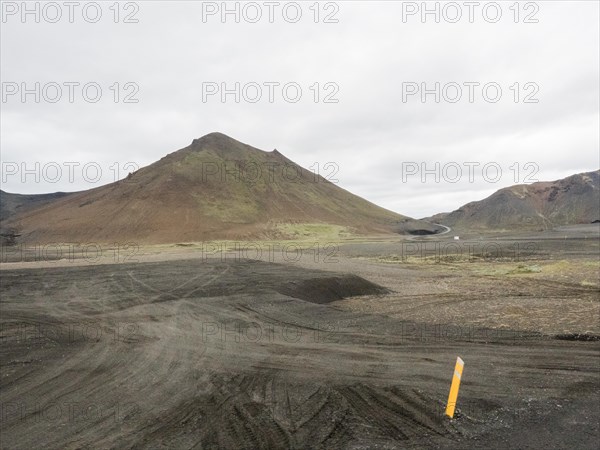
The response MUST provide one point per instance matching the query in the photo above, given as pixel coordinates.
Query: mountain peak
(215, 138)
(215, 188)
(225, 146)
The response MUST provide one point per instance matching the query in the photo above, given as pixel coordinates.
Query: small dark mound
(329, 289)
(421, 232)
(577, 337)
(596, 221)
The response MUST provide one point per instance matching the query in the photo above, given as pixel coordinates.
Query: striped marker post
(458, 370)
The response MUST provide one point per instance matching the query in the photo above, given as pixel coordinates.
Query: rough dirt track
(212, 354)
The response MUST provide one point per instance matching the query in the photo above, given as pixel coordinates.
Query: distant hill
(537, 206)
(216, 188)
(12, 204)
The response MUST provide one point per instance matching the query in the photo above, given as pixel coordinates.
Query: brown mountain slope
(537, 206)
(216, 188)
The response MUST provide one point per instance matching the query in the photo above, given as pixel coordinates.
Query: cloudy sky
(397, 98)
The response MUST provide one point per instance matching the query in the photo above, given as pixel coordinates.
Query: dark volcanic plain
(181, 350)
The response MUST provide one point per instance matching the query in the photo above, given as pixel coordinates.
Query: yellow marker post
(458, 370)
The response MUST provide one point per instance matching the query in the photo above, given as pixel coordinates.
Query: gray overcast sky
(371, 54)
